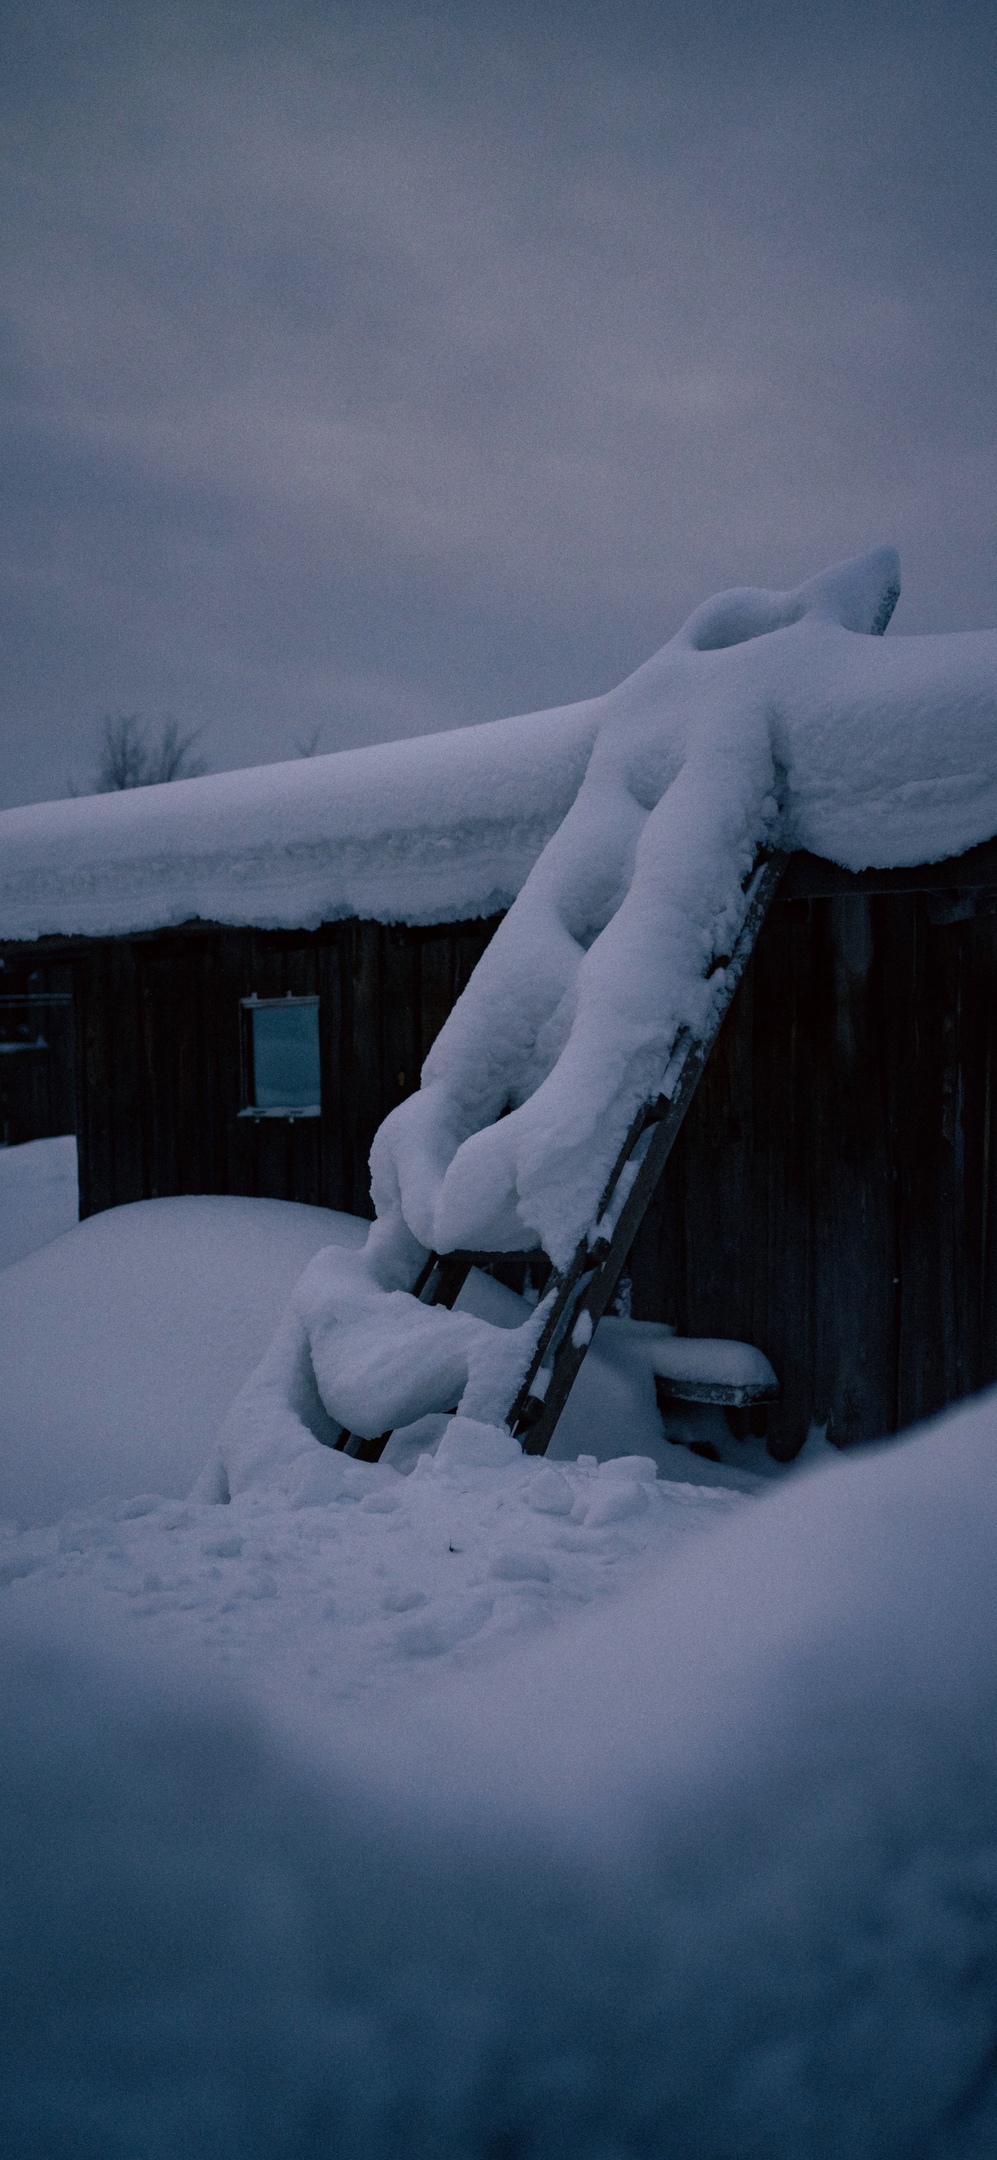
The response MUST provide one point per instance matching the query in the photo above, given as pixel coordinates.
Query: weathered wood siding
(832, 1198)
(833, 1194)
(160, 1064)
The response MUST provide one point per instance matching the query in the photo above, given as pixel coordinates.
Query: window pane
(285, 1057)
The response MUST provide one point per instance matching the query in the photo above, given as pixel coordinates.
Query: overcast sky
(374, 369)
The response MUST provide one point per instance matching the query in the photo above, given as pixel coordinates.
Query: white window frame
(248, 1006)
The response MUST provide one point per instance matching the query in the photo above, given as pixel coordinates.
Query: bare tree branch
(129, 760)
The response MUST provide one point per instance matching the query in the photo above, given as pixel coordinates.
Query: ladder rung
(580, 1296)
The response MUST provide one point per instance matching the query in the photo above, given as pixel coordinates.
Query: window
(280, 1057)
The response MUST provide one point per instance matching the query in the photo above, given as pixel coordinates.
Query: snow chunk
(549, 1493)
(615, 1501)
(471, 1445)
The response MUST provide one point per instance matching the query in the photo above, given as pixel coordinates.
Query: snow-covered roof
(438, 829)
(885, 753)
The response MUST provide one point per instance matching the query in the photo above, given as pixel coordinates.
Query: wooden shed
(833, 1194)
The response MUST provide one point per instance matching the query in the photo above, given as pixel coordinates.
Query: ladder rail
(581, 1294)
(533, 1416)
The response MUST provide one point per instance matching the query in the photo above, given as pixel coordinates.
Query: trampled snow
(323, 1581)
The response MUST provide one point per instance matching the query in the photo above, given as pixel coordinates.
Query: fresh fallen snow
(123, 1342)
(39, 1195)
(709, 1869)
(886, 753)
(432, 830)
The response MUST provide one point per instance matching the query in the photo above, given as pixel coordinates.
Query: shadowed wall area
(832, 1194)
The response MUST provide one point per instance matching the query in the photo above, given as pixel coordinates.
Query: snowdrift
(39, 1196)
(716, 1875)
(123, 1341)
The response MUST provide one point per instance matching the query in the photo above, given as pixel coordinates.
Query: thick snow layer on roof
(441, 829)
(885, 754)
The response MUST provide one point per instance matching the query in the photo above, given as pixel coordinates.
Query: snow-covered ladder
(576, 1300)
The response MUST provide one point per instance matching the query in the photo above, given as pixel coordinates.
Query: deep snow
(710, 1870)
(433, 830)
(123, 1341)
(885, 748)
(39, 1196)
(541, 1808)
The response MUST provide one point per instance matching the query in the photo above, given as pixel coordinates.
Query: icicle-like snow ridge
(769, 717)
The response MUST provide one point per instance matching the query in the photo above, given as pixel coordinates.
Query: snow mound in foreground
(715, 1874)
(122, 1343)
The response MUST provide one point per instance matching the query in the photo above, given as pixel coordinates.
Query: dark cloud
(386, 368)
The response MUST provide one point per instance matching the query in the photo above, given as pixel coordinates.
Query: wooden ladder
(580, 1295)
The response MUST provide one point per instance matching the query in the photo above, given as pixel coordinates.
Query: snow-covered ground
(565, 1808)
(708, 1867)
(121, 1346)
(123, 1341)
(39, 1197)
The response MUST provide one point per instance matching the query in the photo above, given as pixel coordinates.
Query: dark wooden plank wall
(833, 1195)
(159, 1055)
